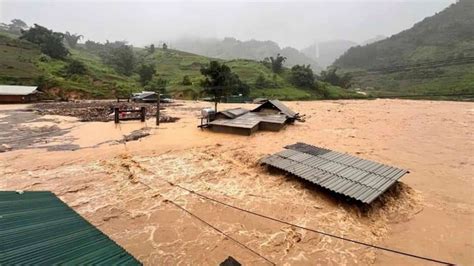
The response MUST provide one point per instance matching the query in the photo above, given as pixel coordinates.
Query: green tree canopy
(302, 76)
(75, 67)
(51, 43)
(331, 76)
(275, 63)
(220, 81)
(72, 39)
(157, 84)
(146, 72)
(120, 56)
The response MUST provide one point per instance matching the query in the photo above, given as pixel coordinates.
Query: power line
(220, 231)
(312, 230)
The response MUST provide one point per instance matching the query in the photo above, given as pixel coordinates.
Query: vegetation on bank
(64, 68)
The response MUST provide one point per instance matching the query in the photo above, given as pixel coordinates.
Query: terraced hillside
(23, 63)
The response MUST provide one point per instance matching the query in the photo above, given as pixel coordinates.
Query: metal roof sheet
(17, 90)
(278, 105)
(354, 177)
(38, 228)
(235, 112)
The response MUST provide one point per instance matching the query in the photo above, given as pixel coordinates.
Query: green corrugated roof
(38, 228)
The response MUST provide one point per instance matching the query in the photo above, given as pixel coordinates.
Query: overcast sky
(289, 23)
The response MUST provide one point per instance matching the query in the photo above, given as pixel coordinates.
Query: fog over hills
(231, 48)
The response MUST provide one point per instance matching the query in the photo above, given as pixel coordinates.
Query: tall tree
(146, 73)
(151, 49)
(120, 56)
(277, 63)
(72, 39)
(220, 81)
(51, 43)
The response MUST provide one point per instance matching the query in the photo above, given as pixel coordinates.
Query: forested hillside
(62, 67)
(435, 56)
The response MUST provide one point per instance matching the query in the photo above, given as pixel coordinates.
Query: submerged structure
(342, 173)
(37, 228)
(272, 115)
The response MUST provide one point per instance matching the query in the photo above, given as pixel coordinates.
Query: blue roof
(38, 228)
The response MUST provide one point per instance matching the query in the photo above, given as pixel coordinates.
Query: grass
(23, 63)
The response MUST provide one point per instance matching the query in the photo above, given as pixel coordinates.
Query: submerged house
(272, 115)
(18, 94)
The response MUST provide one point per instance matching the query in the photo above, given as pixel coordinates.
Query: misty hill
(434, 57)
(231, 48)
(23, 63)
(446, 35)
(326, 52)
(372, 40)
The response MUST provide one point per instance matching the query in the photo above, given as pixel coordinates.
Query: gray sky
(289, 23)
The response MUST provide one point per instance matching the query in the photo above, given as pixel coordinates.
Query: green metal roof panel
(38, 228)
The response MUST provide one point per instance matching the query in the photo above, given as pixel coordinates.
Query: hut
(18, 94)
(272, 115)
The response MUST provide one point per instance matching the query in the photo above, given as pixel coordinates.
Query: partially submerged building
(18, 94)
(272, 115)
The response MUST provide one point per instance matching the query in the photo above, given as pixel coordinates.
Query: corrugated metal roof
(357, 178)
(38, 228)
(17, 90)
(235, 112)
(250, 120)
(278, 105)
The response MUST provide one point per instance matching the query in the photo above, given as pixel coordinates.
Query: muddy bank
(101, 111)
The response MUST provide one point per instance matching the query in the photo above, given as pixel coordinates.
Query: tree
(275, 63)
(120, 56)
(220, 81)
(302, 76)
(151, 49)
(186, 81)
(146, 73)
(331, 76)
(16, 26)
(75, 67)
(157, 84)
(51, 43)
(72, 39)
(260, 82)
(165, 46)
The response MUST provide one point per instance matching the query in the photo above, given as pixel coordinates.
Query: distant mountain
(446, 35)
(433, 58)
(326, 52)
(231, 48)
(375, 39)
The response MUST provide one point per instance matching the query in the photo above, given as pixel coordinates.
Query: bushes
(186, 81)
(75, 67)
(302, 76)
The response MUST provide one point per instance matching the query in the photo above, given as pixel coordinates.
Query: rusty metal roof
(37, 228)
(354, 177)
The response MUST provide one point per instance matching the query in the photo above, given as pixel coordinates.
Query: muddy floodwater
(130, 189)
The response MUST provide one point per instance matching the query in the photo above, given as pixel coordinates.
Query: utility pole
(158, 110)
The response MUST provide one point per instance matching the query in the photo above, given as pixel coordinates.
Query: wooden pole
(158, 110)
(116, 115)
